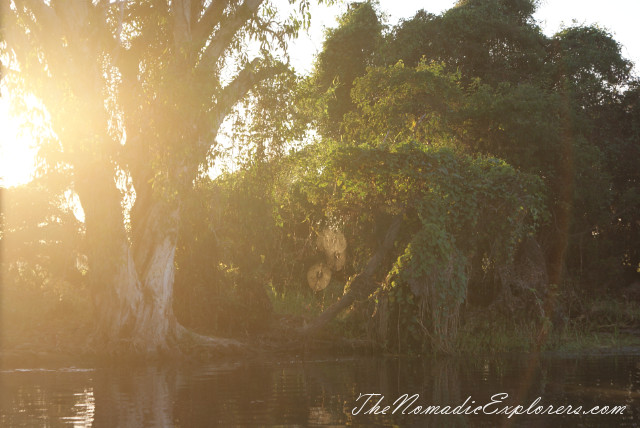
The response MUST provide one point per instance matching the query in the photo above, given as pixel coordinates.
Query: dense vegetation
(500, 163)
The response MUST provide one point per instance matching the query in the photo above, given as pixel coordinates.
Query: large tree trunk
(133, 274)
(112, 273)
(155, 324)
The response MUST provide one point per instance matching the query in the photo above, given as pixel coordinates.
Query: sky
(617, 16)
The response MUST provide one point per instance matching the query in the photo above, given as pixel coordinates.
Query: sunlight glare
(17, 150)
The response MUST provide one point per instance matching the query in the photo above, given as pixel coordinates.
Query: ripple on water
(320, 391)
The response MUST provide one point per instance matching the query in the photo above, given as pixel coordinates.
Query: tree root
(190, 342)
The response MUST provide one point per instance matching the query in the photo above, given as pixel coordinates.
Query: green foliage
(435, 271)
(588, 61)
(266, 124)
(494, 40)
(481, 77)
(262, 223)
(455, 206)
(225, 253)
(395, 103)
(346, 53)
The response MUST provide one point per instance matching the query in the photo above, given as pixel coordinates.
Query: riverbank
(30, 354)
(602, 327)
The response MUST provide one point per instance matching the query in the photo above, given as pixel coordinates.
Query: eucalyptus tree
(136, 93)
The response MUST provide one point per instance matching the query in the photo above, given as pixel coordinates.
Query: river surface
(312, 391)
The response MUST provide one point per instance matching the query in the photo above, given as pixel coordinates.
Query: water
(294, 391)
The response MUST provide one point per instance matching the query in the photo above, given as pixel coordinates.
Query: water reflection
(316, 392)
(46, 397)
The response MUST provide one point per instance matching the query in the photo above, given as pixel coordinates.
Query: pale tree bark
(155, 321)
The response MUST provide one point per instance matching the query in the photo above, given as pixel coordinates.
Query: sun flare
(17, 149)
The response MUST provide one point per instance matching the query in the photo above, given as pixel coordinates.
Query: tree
(136, 93)
(494, 40)
(41, 238)
(346, 53)
(41, 265)
(560, 107)
(448, 215)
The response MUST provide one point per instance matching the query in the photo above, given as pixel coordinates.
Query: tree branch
(361, 286)
(211, 17)
(181, 14)
(248, 78)
(45, 24)
(229, 27)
